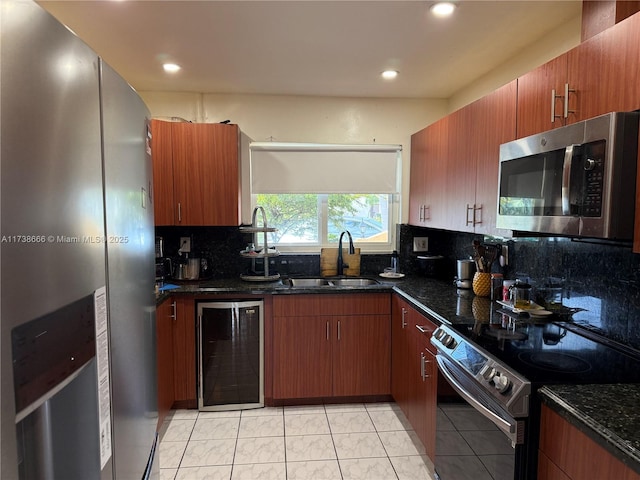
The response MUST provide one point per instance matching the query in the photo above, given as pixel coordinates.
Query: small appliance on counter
(164, 268)
(430, 265)
(465, 269)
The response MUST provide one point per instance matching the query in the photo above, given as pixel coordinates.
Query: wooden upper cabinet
(600, 76)
(495, 124)
(604, 71)
(162, 155)
(196, 174)
(417, 177)
(460, 178)
(427, 194)
(540, 101)
(454, 165)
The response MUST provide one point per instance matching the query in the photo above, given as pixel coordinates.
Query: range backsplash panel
(603, 279)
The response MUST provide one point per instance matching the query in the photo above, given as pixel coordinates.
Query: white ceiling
(334, 48)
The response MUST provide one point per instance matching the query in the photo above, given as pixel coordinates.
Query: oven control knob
(438, 333)
(448, 341)
(501, 382)
(589, 164)
(488, 373)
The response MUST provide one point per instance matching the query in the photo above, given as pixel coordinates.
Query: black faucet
(352, 250)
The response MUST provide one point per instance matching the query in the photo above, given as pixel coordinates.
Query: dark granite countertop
(608, 414)
(436, 298)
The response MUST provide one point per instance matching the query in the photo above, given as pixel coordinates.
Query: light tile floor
(355, 441)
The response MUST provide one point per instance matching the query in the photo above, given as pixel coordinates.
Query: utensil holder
(482, 284)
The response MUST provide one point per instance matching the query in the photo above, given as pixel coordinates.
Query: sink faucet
(352, 250)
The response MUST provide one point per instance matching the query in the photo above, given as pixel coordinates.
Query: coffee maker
(163, 264)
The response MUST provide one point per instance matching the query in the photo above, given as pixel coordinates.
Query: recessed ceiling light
(443, 9)
(171, 67)
(389, 74)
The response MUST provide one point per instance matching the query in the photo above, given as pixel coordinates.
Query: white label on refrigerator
(102, 359)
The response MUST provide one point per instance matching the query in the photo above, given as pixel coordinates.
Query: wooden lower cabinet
(361, 355)
(566, 453)
(184, 353)
(414, 371)
(301, 357)
(164, 357)
(343, 349)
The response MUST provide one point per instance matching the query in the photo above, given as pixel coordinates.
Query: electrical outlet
(420, 244)
(185, 244)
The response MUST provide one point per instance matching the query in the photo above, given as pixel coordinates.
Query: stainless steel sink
(330, 282)
(309, 282)
(354, 282)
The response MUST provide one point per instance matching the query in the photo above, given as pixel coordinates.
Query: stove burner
(505, 334)
(555, 361)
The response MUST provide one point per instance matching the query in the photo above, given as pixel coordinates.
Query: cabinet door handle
(327, 330)
(421, 215)
(554, 97)
(179, 212)
(470, 208)
(422, 366)
(423, 329)
(174, 307)
(566, 100)
(338, 329)
(404, 313)
(426, 209)
(425, 361)
(477, 209)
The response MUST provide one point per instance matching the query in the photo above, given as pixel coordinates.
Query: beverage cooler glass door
(231, 355)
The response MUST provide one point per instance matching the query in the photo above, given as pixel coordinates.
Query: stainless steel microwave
(577, 181)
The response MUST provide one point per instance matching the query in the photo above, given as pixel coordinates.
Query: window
(311, 193)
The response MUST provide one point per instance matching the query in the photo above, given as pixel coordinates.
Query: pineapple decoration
(483, 255)
(481, 309)
(482, 284)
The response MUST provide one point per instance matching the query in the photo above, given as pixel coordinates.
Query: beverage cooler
(230, 355)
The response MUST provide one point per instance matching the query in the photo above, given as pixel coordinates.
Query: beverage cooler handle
(566, 180)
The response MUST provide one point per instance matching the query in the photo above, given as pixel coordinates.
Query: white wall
(553, 44)
(305, 119)
(347, 120)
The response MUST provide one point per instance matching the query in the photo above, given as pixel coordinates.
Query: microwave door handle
(566, 180)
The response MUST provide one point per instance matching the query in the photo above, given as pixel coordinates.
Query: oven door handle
(508, 428)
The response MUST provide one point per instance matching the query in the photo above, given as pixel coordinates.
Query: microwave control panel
(593, 168)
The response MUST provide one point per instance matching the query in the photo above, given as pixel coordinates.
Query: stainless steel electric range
(496, 368)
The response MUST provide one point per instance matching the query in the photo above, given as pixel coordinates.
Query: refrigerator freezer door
(51, 183)
(130, 242)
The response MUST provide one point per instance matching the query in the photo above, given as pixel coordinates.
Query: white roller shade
(324, 168)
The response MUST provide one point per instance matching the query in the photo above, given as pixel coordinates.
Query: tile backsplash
(221, 247)
(604, 280)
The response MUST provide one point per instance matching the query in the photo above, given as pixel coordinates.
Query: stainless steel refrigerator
(77, 308)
